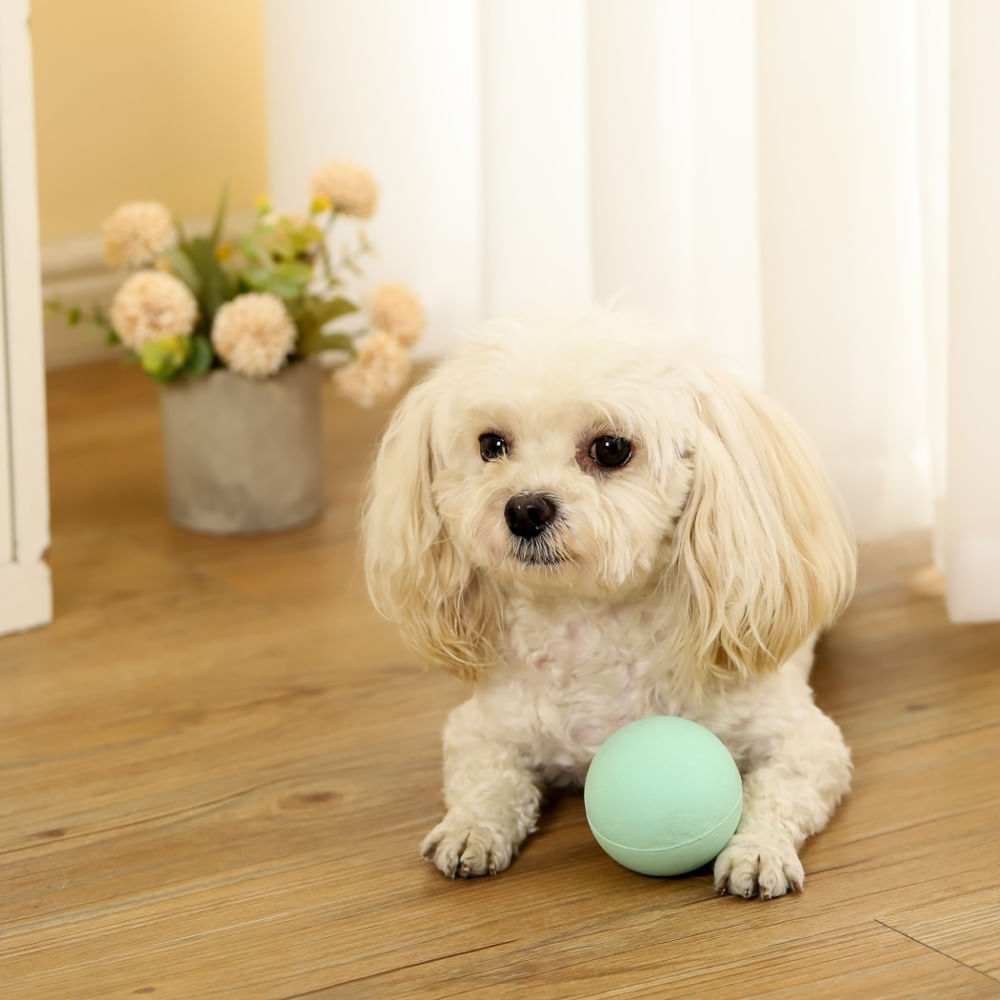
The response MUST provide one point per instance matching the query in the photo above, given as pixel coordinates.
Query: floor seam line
(937, 951)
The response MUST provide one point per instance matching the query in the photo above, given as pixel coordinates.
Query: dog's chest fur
(570, 676)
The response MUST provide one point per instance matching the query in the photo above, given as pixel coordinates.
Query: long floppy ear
(762, 557)
(446, 611)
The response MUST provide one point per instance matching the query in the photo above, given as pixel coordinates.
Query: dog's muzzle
(528, 514)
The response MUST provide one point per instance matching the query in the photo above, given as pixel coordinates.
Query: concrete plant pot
(244, 455)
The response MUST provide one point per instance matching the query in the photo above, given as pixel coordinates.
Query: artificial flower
(380, 368)
(151, 305)
(396, 310)
(351, 189)
(254, 301)
(253, 334)
(136, 233)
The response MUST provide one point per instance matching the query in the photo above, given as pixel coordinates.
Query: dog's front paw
(751, 866)
(465, 847)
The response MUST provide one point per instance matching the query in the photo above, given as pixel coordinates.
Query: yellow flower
(136, 233)
(262, 204)
(351, 189)
(223, 251)
(151, 305)
(320, 203)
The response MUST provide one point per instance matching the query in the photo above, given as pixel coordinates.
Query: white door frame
(25, 584)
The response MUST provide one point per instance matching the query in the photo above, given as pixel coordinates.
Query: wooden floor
(217, 764)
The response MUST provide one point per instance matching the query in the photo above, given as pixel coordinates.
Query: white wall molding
(971, 531)
(25, 588)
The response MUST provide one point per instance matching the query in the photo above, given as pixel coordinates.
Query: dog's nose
(528, 513)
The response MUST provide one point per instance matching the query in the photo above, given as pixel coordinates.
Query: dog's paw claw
(749, 867)
(461, 848)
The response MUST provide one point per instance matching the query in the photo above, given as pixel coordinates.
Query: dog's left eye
(610, 452)
(492, 447)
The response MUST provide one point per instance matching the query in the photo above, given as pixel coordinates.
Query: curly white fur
(690, 580)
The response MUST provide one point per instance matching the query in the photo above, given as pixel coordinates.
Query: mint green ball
(663, 796)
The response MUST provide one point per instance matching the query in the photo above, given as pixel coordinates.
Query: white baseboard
(25, 596)
(74, 273)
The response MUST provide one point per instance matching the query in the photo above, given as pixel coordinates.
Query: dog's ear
(762, 557)
(446, 611)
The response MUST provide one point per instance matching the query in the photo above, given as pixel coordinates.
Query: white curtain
(793, 183)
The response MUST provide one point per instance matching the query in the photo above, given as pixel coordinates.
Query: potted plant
(231, 327)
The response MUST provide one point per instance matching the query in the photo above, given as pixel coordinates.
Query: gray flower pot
(244, 455)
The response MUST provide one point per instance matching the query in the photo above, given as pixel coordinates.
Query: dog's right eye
(492, 447)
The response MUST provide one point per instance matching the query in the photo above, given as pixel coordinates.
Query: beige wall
(143, 99)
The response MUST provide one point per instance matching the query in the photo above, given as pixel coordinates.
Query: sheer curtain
(806, 187)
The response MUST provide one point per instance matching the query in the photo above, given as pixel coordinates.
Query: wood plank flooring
(217, 764)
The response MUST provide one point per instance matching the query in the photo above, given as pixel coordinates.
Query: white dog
(591, 528)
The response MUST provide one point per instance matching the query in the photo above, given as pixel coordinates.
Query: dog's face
(556, 472)
(576, 451)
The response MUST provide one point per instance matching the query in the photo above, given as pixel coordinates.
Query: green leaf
(216, 285)
(256, 277)
(312, 314)
(287, 281)
(281, 287)
(295, 274)
(314, 341)
(75, 315)
(295, 270)
(253, 251)
(199, 361)
(184, 269)
(323, 311)
(220, 216)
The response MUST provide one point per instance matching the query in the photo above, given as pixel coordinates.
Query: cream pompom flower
(150, 305)
(380, 369)
(350, 188)
(253, 334)
(136, 233)
(397, 310)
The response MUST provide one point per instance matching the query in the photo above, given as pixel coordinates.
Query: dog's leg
(491, 795)
(786, 798)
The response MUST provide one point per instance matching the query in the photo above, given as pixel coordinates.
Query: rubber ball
(663, 796)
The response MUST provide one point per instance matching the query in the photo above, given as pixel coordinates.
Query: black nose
(528, 513)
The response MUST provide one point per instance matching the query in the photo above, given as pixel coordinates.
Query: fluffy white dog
(591, 528)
